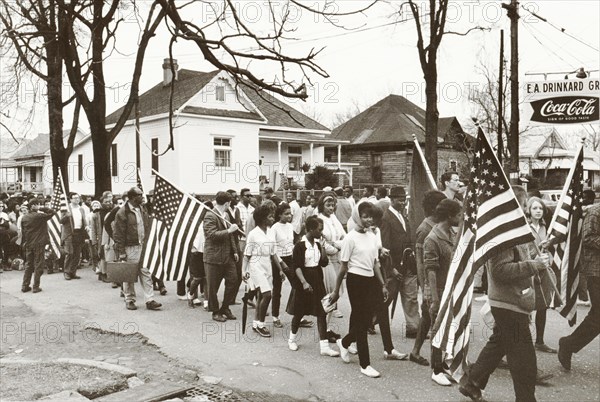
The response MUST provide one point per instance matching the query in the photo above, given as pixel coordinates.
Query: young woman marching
(283, 232)
(359, 259)
(333, 235)
(437, 254)
(259, 255)
(536, 209)
(309, 258)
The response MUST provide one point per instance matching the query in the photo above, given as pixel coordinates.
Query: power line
(563, 30)
(544, 46)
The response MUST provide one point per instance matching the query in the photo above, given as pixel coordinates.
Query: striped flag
(174, 225)
(493, 221)
(567, 225)
(140, 185)
(59, 205)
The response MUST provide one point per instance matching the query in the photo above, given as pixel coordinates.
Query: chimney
(167, 74)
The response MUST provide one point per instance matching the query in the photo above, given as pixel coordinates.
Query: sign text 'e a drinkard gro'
(574, 101)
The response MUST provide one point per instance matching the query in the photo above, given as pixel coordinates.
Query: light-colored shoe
(395, 355)
(337, 314)
(370, 372)
(441, 379)
(584, 303)
(352, 349)
(481, 298)
(184, 297)
(197, 302)
(343, 351)
(326, 350)
(292, 345)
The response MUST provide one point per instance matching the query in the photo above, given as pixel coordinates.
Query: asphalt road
(248, 362)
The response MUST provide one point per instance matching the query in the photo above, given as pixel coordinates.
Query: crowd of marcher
(325, 248)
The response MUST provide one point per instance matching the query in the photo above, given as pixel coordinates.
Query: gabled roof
(393, 119)
(32, 148)
(536, 139)
(155, 102)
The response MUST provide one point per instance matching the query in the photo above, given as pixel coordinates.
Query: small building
(547, 157)
(381, 143)
(224, 136)
(29, 167)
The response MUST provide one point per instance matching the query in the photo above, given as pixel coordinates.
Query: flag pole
(227, 223)
(427, 170)
(139, 175)
(564, 192)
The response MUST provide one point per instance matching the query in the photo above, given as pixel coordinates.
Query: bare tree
(31, 27)
(436, 20)
(351, 111)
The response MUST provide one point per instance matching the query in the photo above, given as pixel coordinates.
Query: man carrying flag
(131, 229)
(495, 230)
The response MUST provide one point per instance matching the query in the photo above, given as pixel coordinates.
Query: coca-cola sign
(565, 110)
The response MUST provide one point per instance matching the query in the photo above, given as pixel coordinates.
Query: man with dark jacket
(395, 236)
(35, 237)
(221, 253)
(512, 298)
(132, 226)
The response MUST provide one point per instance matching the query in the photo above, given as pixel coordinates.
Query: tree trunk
(431, 116)
(101, 150)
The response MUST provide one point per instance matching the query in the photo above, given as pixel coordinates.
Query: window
(114, 167)
(80, 167)
(294, 158)
(453, 166)
(222, 152)
(32, 175)
(376, 168)
(155, 154)
(220, 93)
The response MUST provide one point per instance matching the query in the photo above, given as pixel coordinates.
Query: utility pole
(513, 137)
(501, 98)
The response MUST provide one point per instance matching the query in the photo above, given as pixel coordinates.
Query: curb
(125, 371)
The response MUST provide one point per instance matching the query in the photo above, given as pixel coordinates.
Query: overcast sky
(374, 61)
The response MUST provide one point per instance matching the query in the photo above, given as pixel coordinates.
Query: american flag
(567, 223)
(493, 221)
(173, 228)
(59, 205)
(140, 185)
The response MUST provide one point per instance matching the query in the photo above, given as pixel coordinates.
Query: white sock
(254, 324)
(261, 324)
(293, 337)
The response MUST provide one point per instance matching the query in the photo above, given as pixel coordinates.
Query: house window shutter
(114, 165)
(155, 154)
(80, 167)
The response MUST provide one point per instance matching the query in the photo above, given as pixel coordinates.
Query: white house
(222, 138)
(29, 167)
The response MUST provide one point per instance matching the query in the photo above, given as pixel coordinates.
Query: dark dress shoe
(130, 306)
(228, 314)
(371, 331)
(163, 291)
(36, 290)
(152, 305)
(75, 276)
(67, 276)
(468, 389)
(218, 317)
(332, 337)
(304, 323)
(25, 289)
(418, 359)
(564, 357)
(115, 285)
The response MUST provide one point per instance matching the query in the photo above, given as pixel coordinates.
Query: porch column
(339, 156)
(22, 178)
(311, 154)
(279, 172)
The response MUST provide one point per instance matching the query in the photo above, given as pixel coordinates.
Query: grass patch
(33, 381)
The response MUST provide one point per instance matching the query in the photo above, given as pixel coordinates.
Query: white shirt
(296, 216)
(260, 246)
(77, 217)
(198, 243)
(312, 255)
(245, 213)
(360, 251)
(284, 236)
(399, 216)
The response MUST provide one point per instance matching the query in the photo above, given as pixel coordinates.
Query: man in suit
(395, 236)
(73, 236)
(221, 253)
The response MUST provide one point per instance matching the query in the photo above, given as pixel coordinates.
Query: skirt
(304, 303)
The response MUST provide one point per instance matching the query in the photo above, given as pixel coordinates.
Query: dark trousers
(34, 265)
(73, 251)
(215, 273)
(382, 315)
(361, 292)
(511, 338)
(277, 283)
(589, 328)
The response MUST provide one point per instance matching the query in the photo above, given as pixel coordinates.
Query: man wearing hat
(395, 236)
